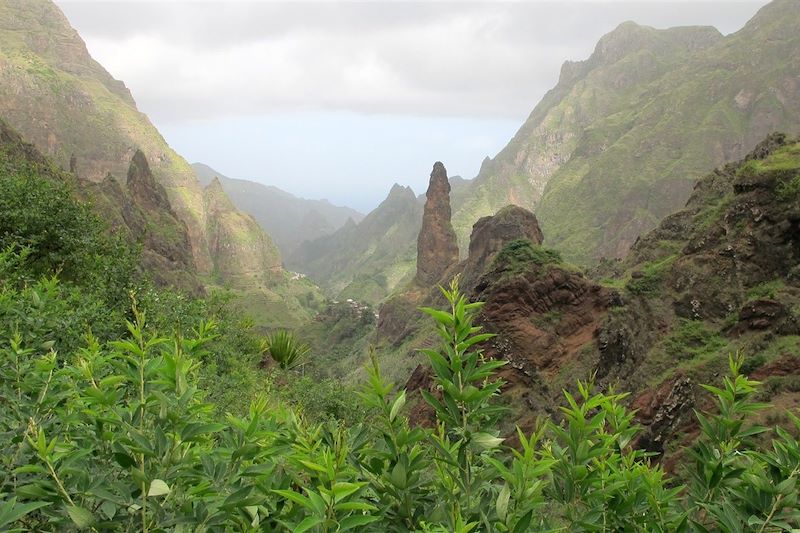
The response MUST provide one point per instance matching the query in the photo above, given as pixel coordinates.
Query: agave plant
(285, 349)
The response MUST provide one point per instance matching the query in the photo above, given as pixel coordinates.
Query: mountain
(618, 143)
(239, 248)
(366, 261)
(289, 220)
(716, 278)
(64, 102)
(58, 98)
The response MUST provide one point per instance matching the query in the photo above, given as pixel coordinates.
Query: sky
(340, 100)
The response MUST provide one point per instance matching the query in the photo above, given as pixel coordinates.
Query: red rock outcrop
(437, 246)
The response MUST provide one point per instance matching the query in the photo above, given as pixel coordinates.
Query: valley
(601, 327)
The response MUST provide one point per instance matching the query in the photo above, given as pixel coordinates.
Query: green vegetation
(117, 436)
(692, 340)
(617, 144)
(284, 348)
(157, 418)
(519, 255)
(768, 289)
(649, 278)
(55, 234)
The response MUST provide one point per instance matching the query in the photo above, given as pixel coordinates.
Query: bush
(60, 235)
(691, 339)
(117, 436)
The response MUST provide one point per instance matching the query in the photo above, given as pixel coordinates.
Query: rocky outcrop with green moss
(721, 276)
(138, 210)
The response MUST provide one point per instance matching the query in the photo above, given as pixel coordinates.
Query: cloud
(186, 61)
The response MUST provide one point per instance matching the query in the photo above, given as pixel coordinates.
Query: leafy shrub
(768, 289)
(752, 363)
(61, 235)
(789, 187)
(117, 436)
(319, 400)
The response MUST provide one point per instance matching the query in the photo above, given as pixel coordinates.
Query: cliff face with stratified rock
(139, 210)
(437, 247)
(77, 114)
(64, 102)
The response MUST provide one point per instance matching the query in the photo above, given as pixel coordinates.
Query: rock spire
(437, 246)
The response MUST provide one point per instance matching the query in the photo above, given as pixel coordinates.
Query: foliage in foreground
(117, 436)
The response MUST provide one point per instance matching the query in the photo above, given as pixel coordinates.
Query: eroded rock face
(490, 234)
(143, 186)
(242, 253)
(141, 212)
(437, 246)
(662, 411)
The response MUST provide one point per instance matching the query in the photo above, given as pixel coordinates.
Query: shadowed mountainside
(289, 220)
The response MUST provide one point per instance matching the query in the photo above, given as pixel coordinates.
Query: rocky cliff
(242, 253)
(437, 247)
(618, 143)
(289, 220)
(138, 210)
(58, 97)
(721, 276)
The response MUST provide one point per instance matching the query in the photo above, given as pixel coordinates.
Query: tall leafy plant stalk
(396, 464)
(465, 413)
(733, 483)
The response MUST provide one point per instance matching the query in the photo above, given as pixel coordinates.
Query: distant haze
(340, 100)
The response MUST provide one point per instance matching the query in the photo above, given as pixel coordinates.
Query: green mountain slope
(57, 97)
(289, 220)
(65, 103)
(617, 144)
(366, 261)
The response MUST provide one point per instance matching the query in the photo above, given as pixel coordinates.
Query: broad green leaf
(398, 404)
(524, 523)
(307, 524)
(11, 511)
(82, 517)
(486, 441)
(502, 502)
(158, 488)
(355, 521)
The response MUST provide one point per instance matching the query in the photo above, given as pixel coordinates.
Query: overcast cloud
(234, 70)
